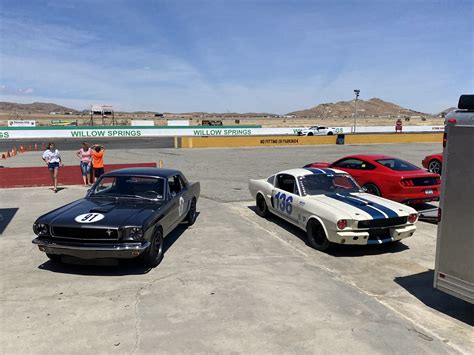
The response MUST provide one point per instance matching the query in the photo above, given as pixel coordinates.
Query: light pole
(356, 92)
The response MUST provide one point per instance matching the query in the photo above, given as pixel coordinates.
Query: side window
(174, 185)
(271, 180)
(287, 183)
(182, 182)
(354, 164)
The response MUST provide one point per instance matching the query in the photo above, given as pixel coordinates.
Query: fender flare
(319, 220)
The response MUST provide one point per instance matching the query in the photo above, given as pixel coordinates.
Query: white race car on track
(330, 206)
(319, 131)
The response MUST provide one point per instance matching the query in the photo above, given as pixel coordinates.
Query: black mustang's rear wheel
(154, 254)
(191, 216)
(262, 209)
(316, 236)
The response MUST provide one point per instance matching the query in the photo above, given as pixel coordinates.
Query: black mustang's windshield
(320, 184)
(141, 187)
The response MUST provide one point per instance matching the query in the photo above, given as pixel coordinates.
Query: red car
(389, 177)
(433, 163)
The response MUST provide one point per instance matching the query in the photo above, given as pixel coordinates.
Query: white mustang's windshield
(130, 186)
(320, 184)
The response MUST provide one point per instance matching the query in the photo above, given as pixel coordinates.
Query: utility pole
(356, 92)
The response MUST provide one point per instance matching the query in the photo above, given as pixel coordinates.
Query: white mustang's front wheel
(316, 236)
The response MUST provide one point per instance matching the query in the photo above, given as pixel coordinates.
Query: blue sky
(237, 56)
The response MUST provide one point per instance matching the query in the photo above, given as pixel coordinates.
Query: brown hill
(345, 109)
(35, 107)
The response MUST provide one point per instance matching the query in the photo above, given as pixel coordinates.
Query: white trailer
(454, 265)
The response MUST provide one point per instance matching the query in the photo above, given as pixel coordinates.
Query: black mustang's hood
(109, 212)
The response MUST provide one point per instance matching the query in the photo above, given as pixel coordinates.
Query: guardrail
(86, 132)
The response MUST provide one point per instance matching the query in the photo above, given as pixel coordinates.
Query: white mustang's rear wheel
(316, 236)
(262, 209)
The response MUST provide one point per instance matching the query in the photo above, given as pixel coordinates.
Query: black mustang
(126, 214)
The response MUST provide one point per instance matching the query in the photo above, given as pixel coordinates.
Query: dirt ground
(124, 119)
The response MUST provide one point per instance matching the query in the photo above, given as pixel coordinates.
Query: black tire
(330, 133)
(435, 166)
(54, 257)
(372, 189)
(154, 254)
(310, 134)
(191, 216)
(316, 236)
(261, 204)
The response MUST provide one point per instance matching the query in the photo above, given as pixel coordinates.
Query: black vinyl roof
(152, 172)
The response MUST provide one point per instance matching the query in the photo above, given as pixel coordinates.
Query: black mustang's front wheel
(316, 236)
(54, 257)
(154, 254)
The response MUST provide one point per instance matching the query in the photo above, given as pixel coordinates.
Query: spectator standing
(52, 158)
(85, 154)
(98, 160)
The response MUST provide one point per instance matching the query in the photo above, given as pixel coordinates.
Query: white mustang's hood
(364, 206)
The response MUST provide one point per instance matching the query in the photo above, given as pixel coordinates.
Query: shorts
(98, 172)
(52, 166)
(85, 168)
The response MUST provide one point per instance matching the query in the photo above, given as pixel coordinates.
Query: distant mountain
(35, 107)
(444, 112)
(372, 108)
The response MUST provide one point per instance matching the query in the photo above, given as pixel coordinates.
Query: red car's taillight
(341, 224)
(412, 217)
(407, 182)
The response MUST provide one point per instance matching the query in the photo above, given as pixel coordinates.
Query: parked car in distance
(433, 163)
(332, 208)
(319, 131)
(126, 214)
(389, 177)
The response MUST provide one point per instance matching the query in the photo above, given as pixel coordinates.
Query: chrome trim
(99, 247)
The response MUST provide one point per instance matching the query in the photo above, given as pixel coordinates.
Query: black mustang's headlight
(134, 233)
(41, 230)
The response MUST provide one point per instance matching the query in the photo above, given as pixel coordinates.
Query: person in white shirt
(52, 158)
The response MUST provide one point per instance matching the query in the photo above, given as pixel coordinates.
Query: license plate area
(429, 192)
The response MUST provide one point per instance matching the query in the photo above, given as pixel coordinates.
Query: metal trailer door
(454, 268)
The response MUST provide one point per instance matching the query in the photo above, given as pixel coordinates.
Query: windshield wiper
(140, 197)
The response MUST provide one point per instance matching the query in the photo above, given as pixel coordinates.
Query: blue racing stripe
(315, 170)
(360, 205)
(388, 211)
(328, 171)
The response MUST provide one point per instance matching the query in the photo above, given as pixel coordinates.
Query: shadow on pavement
(339, 250)
(6, 216)
(110, 267)
(421, 286)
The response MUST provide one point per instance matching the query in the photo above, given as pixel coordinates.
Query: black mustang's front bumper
(124, 250)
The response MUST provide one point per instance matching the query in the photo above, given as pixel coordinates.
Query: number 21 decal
(283, 202)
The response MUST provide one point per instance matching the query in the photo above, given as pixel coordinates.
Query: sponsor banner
(134, 123)
(175, 123)
(21, 123)
(123, 131)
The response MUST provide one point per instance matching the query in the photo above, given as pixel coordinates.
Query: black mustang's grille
(85, 233)
(381, 223)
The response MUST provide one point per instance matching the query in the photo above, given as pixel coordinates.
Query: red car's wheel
(372, 189)
(435, 166)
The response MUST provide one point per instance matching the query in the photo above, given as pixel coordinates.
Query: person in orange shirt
(98, 160)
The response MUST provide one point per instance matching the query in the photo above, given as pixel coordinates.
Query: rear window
(397, 164)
